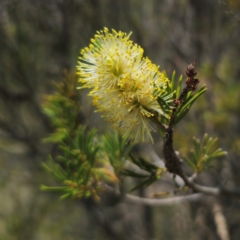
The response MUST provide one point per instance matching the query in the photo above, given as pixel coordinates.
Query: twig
(172, 161)
(151, 201)
(163, 202)
(210, 190)
(220, 221)
(193, 177)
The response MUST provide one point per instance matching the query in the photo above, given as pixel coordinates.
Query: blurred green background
(39, 39)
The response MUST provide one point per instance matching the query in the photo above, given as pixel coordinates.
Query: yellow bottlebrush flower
(108, 58)
(124, 85)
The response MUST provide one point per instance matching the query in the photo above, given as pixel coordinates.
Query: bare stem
(163, 202)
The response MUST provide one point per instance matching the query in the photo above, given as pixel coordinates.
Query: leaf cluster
(63, 108)
(117, 149)
(150, 172)
(80, 164)
(77, 166)
(172, 92)
(203, 153)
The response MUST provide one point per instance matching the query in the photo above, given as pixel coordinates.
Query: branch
(163, 202)
(210, 190)
(151, 201)
(172, 161)
(220, 222)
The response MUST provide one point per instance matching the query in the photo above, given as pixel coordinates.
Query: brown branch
(172, 161)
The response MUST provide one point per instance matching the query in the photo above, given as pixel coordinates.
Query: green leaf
(117, 150)
(54, 189)
(192, 98)
(173, 79)
(210, 144)
(130, 173)
(145, 183)
(186, 105)
(179, 86)
(66, 196)
(57, 136)
(190, 163)
(82, 169)
(142, 184)
(197, 146)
